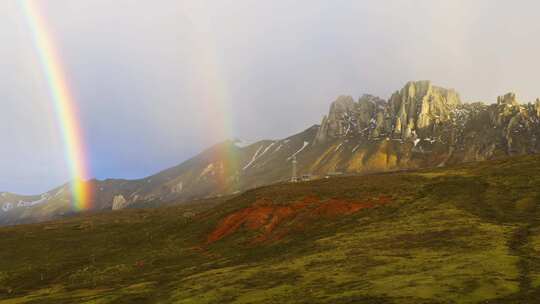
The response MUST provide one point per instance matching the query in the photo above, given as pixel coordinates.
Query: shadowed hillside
(462, 234)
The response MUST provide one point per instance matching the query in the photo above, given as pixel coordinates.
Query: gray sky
(157, 81)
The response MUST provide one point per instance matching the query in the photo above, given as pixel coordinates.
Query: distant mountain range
(420, 126)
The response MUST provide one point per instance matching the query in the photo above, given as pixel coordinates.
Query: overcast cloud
(157, 81)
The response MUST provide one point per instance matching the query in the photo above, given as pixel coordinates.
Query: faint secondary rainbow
(212, 88)
(64, 104)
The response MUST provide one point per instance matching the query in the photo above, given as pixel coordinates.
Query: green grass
(464, 234)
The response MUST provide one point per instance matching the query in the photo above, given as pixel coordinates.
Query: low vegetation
(464, 234)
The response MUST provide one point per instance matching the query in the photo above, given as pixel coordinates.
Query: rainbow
(212, 89)
(65, 106)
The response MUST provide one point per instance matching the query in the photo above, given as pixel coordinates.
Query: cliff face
(419, 107)
(432, 127)
(413, 111)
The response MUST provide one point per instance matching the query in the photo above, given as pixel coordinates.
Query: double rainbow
(64, 104)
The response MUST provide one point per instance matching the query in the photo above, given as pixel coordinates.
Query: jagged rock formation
(347, 117)
(416, 109)
(119, 202)
(431, 126)
(421, 125)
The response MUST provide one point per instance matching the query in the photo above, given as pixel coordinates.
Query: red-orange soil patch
(266, 217)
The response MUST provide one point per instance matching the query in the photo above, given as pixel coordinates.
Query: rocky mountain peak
(414, 109)
(416, 88)
(342, 103)
(420, 105)
(341, 107)
(347, 117)
(508, 99)
(368, 98)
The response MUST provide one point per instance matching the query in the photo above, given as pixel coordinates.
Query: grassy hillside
(464, 234)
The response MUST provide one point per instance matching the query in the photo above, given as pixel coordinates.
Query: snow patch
(21, 204)
(207, 170)
(44, 198)
(267, 148)
(348, 129)
(7, 206)
(243, 143)
(257, 155)
(59, 192)
(253, 159)
(306, 143)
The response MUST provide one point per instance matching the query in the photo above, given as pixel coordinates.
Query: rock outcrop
(119, 202)
(431, 126)
(416, 109)
(419, 107)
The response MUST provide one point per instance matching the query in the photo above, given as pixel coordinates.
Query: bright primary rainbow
(64, 104)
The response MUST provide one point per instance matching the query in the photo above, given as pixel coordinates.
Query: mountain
(420, 126)
(467, 233)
